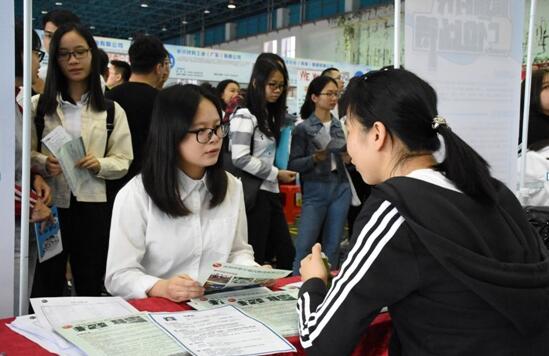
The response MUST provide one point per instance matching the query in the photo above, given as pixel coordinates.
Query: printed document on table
(221, 331)
(292, 286)
(56, 312)
(275, 309)
(227, 275)
(29, 326)
(131, 335)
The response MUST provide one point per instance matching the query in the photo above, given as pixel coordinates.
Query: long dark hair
(221, 89)
(172, 116)
(56, 81)
(19, 47)
(270, 116)
(315, 87)
(407, 105)
(538, 123)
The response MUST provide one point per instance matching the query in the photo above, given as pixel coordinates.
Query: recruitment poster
(471, 53)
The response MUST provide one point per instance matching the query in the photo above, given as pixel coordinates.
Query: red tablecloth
(374, 343)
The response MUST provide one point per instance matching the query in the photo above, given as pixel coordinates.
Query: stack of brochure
(54, 312)
(276, 309)
(234, 322)
(110, 326)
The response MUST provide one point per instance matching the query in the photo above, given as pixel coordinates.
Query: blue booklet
(49, 240)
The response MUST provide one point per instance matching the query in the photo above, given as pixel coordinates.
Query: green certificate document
(132, 335)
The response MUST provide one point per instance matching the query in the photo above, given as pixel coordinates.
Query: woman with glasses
(254, 132)
(184, 212)
(73, 100)
(444, 245)
(318, 154)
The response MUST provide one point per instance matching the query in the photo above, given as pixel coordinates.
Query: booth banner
(7, 157)
(205, 64)
(471, 52)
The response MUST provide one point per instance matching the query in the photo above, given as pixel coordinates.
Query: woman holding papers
(73, 107)
(444, 245)
(318, 154)
(255, 131)
(184, 212)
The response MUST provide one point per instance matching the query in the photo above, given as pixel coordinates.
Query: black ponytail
(466, 168)
(407, 106)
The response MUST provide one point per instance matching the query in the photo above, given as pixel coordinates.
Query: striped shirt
(260, 162)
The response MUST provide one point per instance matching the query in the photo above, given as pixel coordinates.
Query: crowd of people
(443, 244)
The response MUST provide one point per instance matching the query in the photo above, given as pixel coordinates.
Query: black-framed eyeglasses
(331, 94)
(204, 135)
(78, 53)
(40, 54)
(275, 86)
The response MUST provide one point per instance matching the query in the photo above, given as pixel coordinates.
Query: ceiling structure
(164, 18)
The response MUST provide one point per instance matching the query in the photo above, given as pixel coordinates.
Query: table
(374, 343)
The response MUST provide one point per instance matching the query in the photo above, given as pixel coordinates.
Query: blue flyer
(49, 240)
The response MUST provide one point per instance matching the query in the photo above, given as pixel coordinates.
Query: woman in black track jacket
(444, 245)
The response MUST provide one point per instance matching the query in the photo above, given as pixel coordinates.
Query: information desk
(374, 343)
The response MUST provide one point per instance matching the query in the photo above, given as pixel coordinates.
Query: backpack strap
(39, 123)
(110, 121)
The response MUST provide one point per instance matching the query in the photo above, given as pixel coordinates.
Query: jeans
(324, 204)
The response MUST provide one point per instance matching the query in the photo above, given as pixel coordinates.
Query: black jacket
(459, 277)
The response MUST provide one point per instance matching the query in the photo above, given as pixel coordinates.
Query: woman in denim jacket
(318, 153)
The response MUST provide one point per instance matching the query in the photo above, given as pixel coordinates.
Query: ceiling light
(130, 38)
(59, 3)
(144, 4)
(92, 27)
(164, 29)
(206, 11)
(44, 12)
(231, 5)
(184, 22)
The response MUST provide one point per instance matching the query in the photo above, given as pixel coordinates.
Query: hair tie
(439, 121)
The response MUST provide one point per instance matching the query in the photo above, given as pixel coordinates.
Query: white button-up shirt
(73, 115)
(147, 245)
